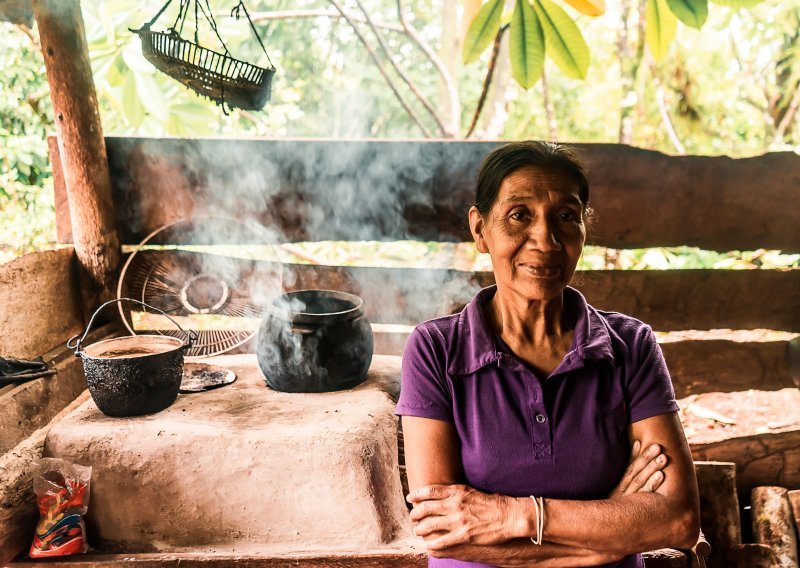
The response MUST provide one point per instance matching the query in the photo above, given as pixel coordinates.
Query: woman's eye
(517, 215)
(568, 216)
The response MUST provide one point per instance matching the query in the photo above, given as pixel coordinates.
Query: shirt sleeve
(650, 390)
(423, 388)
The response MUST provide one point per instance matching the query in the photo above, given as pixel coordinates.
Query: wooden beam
(696, 365)
(388, 190)
(81, 146)
(662, 558)
(721, 365)
(667, 300)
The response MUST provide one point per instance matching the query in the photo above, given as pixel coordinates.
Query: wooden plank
(667, 300)
(189, 560)
(696, 365)
(663, 558)
(699, 366)
(388, 190)
(39, 303)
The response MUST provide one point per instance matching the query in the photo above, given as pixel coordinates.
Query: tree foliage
(564, 41)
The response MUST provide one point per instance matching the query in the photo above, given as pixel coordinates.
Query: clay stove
(245, 469)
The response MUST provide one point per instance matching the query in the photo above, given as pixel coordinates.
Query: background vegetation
(730, 88)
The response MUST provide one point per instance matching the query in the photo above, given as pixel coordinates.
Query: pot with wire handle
(135, 375)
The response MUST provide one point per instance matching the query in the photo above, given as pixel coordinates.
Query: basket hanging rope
(218, 76)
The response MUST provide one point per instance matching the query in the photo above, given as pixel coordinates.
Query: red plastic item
(62, 495)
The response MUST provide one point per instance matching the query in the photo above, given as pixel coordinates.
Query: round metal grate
(202, 273)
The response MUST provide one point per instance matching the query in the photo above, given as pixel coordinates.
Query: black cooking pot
(315, 341)
(131, 376)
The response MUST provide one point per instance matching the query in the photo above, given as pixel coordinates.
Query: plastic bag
(62, 495)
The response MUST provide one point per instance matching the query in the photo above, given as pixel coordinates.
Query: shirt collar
(476, 347)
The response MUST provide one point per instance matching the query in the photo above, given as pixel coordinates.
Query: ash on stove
(199, 377)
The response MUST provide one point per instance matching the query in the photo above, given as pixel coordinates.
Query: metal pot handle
(74, 343)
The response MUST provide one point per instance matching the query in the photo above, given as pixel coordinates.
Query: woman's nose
(543, 236)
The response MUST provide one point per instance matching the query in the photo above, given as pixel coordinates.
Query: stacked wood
(773, 524)
(719, 507)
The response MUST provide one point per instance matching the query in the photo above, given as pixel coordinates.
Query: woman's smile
(543, 271)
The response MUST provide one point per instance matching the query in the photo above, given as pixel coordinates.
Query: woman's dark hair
(507, 159)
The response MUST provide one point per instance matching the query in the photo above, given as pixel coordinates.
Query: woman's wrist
(524, 518)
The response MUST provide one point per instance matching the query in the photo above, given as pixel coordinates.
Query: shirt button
(540, 418)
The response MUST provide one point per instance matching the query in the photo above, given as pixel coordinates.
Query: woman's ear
(476, 227)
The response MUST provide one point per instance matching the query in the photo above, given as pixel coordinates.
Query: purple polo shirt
(564, 436)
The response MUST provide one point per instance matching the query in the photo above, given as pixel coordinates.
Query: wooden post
(773, 526)
(81, 146)
(719, 505)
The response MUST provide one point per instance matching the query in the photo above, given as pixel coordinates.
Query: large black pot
(315, 341)
(131, 376)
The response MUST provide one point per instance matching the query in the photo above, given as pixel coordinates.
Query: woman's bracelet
(538, 505)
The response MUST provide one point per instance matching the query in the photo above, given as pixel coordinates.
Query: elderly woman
(524, 414)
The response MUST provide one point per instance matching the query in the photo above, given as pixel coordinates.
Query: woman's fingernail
(661, 459)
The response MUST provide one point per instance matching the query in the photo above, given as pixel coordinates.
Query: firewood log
(773, 524)
(719, 505)
(794, 501)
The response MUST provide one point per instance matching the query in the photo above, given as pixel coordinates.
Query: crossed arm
(655, 505)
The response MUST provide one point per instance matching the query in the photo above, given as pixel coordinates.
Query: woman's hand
(644, 471)
(451, 515)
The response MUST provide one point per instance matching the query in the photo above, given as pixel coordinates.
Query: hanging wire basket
(218, 76)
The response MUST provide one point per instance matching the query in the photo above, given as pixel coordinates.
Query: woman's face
(534, 232)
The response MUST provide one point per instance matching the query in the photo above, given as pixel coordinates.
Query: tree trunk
(81, 146)
(773, 526)
(719, 505)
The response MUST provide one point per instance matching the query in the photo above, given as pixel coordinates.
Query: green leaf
(565, 43)
(131, 105)
(693, 13)
(526, 45)
(482, 30)
(660, 28)
(738, 3)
